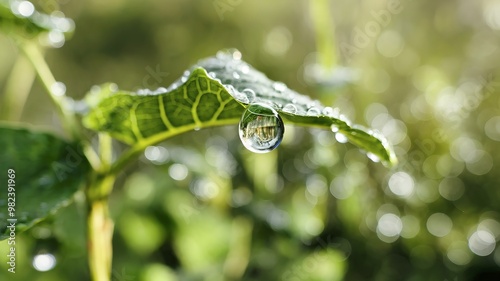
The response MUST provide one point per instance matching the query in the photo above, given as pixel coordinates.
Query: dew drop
(341, 138)
(212, 74)
(279, 87)
(313, 111)
(236, 75)
(261, 128)
(245, 68)
(250, 94)
(58, 89)
(335, 128)
(373, 157)
(290, 108)
(229, 54)
(328, 111)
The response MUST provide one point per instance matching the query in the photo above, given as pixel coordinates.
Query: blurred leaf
(142, 233)
(320, 265)
(48, 171)
(218, 98)
(21, 18)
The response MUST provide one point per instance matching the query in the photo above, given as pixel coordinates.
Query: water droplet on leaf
(229, 54)
(313, 111)
(328, 111)
(341, 138)
(335, 128)
(279, 87)
(245, 68)
(58, 89)
(261, 128)
(373, 157)
(250, 94)
(290, 108)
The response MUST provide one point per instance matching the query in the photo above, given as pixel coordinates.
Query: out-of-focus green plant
(220, 90)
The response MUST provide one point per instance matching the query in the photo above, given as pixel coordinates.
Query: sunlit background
(201, 207)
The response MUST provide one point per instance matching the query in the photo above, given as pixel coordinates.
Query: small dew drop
(313, 111)
(245, 68)
(160, 90)
(373, 157)
(236, 75)
(25, 8)
(56, 38)
(58, 89)
(335, 128)
(328, 111)
(341, 138)
(233, 54)
(261, 128)
(279, 87)
(186, 73)
(290, 108)
(250, 94)
(212, 75)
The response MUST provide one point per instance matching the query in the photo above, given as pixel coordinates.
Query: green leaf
(22, 19)
(216, 92)
(44, 173)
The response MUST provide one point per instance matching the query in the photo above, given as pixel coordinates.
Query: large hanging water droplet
(261, 128)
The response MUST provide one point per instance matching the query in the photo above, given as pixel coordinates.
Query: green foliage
(218, 98)
(48, 172)
(20, 18)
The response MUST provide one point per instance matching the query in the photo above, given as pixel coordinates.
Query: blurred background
(201, 207)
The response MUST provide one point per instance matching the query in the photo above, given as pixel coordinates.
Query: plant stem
(17, 89)
(325, 32)
(100, 229)
(32, 52)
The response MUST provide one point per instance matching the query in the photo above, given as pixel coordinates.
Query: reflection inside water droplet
(261, 128)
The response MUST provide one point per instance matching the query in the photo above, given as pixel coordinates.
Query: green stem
(32, 52)
(125, 159)
(106, 150)
(325, 32)
(17, 89)
(100, 228)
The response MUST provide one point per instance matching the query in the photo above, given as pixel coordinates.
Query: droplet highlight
(313, 111)
(250, 94)
(261, 128)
